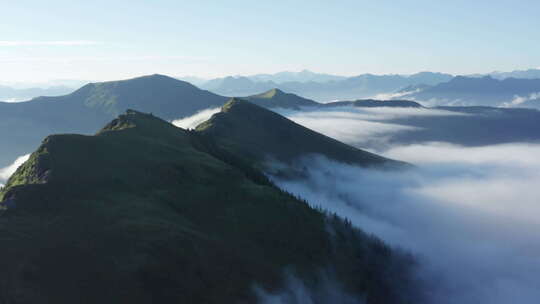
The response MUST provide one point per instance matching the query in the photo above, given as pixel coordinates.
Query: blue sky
(100, 40)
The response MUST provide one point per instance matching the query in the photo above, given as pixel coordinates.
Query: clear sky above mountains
(100, 40)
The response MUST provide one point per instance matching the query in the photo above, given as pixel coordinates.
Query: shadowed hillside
(23, 125)
(142, 212)
(258, 133)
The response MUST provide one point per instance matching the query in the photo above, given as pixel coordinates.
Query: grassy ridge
(146, 212)
(257, 134)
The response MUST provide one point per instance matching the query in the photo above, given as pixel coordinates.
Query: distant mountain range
(145, 212)
(316, 86)
(522, 74)
(280, 77)
(11, 94)
(302, 76)
(483, 91)
(24, 125)
(361, 86)
(326, 87)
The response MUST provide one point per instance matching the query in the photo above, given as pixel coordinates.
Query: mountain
(485, 91)
(261, 135)
(237, 86)
(302, 76)
(373, 103)
(247, 85)
(9, 93)
(276, 98)
(23, 125)
(144, 212)
(521, 74)
(162, 95)
(361, 86)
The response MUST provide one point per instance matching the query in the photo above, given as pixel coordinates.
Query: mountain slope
(257, 133)
(276, 98)
(162, 95)
(143, 213)
(23, 125)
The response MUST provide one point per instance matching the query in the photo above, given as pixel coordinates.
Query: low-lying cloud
(395, 95)
(193, 121)
(6, 172)
(469, 214)
(361, 127)
(519, 100)
(472, 224)
(295, 291)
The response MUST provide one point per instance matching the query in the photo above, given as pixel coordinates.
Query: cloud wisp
(362, 127)
(6, 172)
(194, 120)
(395, 95)
(519, 100)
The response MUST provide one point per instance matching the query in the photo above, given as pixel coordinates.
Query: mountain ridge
(260, 134)
(24, 124)
(142, 212)
(479, 91)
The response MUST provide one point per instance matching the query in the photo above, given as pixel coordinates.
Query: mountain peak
(259, 134)
(193, 206)
(270, 93)
(275, 98)
(168, 97)
(142, 124)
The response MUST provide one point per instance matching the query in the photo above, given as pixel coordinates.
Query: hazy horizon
(76, 83)
(83, 41)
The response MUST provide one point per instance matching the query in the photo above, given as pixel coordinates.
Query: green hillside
(144, 212)
(23, 125)
(257, 134)
(276, 98)
(161, 95)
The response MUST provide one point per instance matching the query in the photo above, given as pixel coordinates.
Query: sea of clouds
(469, 214)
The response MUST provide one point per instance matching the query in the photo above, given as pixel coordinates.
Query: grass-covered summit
(260, 134)
(144, 212)
(23, 125)
(276, 98)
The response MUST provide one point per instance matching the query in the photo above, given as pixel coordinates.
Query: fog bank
(472, 222)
